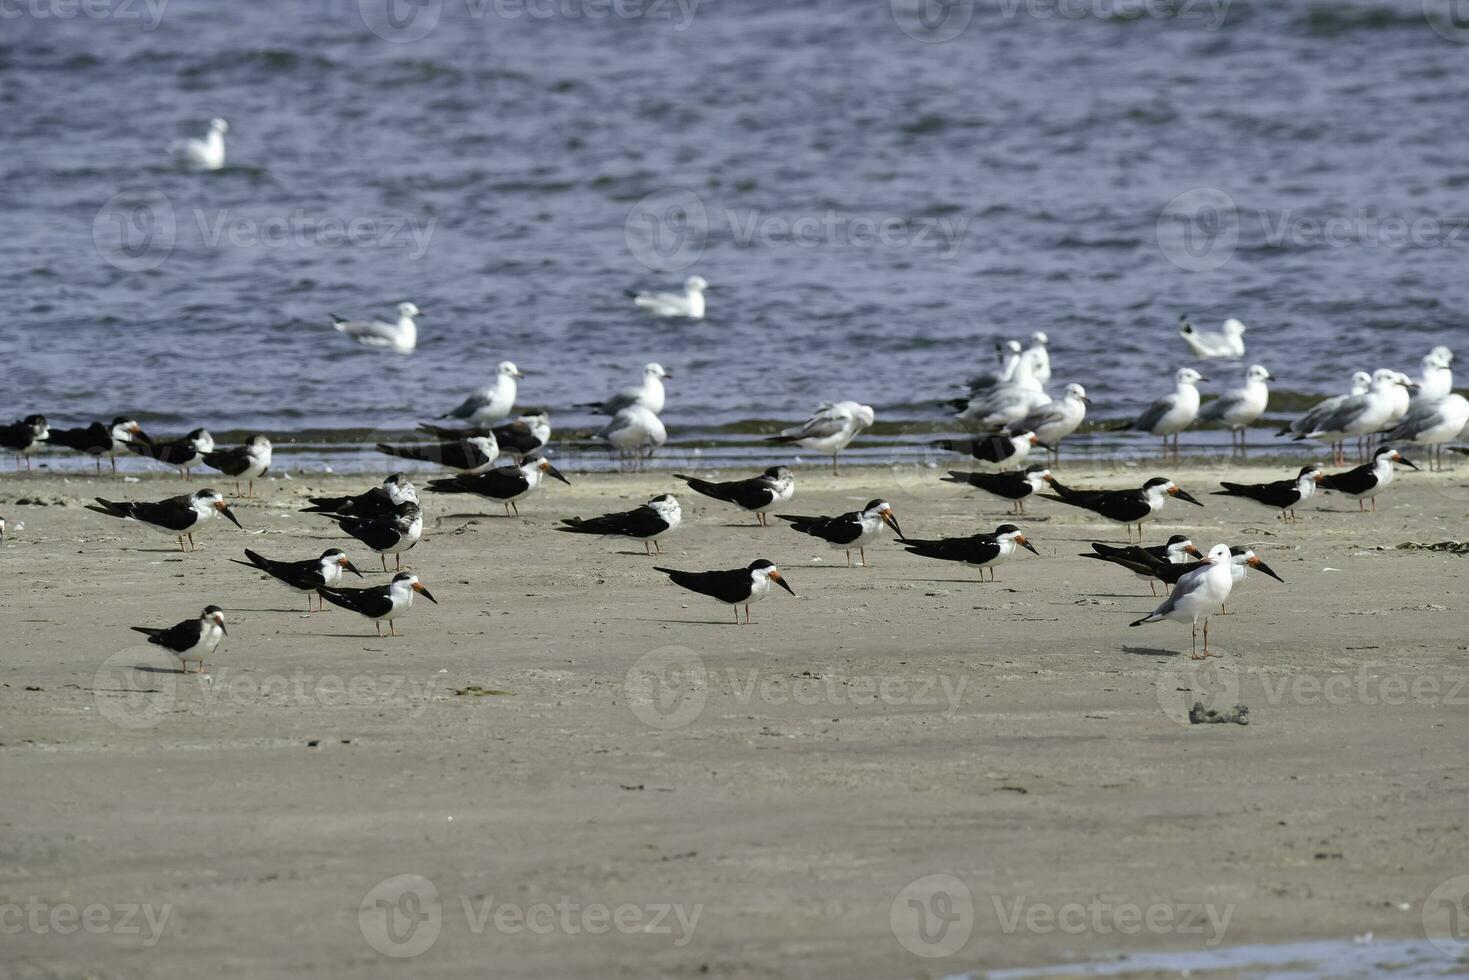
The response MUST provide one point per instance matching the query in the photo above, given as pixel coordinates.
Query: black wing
(1011, 486)
(176, 513)
(1359, 479)
(837, 530)
(644, 522)
(1118, 505)
(173, 453)
(992, 449)
(376, 534)
(303, 575)
(372, 602)
(1281, 493)
(751, 494)
(516, 437)
(95, 439)
(455, 455)
(976, 549)
(176, 638)
(495, 484)
(231, 462)
(374, 503)
(727, 586)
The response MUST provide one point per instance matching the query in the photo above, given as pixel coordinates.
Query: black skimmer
(688, 304)
(1147, 564)
(380, 501)
(1142, 561)
(1003, 451)
(633, 430)
(178, 517)
(1013, 485)
(191, 640)
(1228, 342)
(507, 484)
(307, 576)
(830, 430)
(1174, 412)
(735, 587)
(185, 453)
(472, 454)
(855, 529)
(243, 463)
(401, 337)
(25, 437)
(1240, 407)
(1123, 506)
(490, 404)
(98, 440)
(759, 494)
(649, 393)
(1365, 482)
(381, 603)
(1196, 594)
(391, 534)
(981, 550)
(1282, 495)
(657, 518)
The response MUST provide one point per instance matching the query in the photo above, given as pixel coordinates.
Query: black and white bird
(1282, 495)
(243, 462)
(380, 501)
(185, 453)
(1309, 422)
(307, 576)
(518, 438)
(190, 641)
(492, 403)
(1003, 451)
(98, 440)
(508, 484)
(830, 430)
(1228, 342)
(389, 534)
(980, 550)
(1365, 482)
(735, 587)
(649, 393)
(1196, 595)
(1012, 485)
(381, 603)
(472, 454)
(25, 438)
(1141, 561)
(649, 523)
(1174, 412)
(1360, 415)
(759, 494)
(1055, 420)
(178, 517)
(855, 529)
(401, 336)
(1239, 407)
(1123, 506)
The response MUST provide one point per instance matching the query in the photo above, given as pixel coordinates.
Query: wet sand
(596, 774)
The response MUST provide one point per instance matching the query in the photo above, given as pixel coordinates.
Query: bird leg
(399, 559)
(1196, 640)
(1153, 586)
(863, 553)
(384, 557)
(378, 625)
(737, 615)
(191, 541)
(1374, 505)
(393, 630)
(516, 507)
(657, 546)
(849, 557)
(1361, 505)
(833, 464)
(181, 543)
(747, 614)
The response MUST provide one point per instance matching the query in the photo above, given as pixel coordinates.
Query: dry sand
(791, 780)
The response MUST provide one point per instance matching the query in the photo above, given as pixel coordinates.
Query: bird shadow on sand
(1151, 651)
(150, 669)
(697, 622)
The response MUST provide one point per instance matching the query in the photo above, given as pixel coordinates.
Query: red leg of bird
(1196, 640)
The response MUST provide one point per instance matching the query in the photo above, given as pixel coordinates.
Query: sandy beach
(585, 771)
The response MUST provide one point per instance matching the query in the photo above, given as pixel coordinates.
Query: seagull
(390, 534)
(649, 523)
(98, 440)
(759, 494)
(177, 517)
(472, 454)
(304, 576)
(1359, 415)
(735, 587)
(380, 501)
(1365, 482)
(1013, 485)
(488, 405)
(1171, 414)
(245, 463)
(1196, 594)
(1240, 407)
(1123, 506)
(1009, 355)
(24, 438)
(632, 430)
(982, 550)
(648, 394)
(1400, 399)
(400, 337)
(1428, 423)
(1282, 495)
(1142, 561)
(830, 430)
(191, 640)
(506, 484)
(1003, 451)
(1041, 357)
(1229, 342)
(856, 529)
(1056, 420)
(688, 304)
(1437, 379)
(381, 602)
(185, 453)
(204, 154)
(1361, 381)
(1010, 401)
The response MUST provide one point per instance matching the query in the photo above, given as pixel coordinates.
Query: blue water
(873, 208)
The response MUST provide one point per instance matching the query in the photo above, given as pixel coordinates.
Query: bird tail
(255, 559)
(111, 508)
(446, 485)
(781, 440)
(330, 595)
(324, 505)
(151, 632)
(955, 476)
(1063, 492)
(401, 453)
(1230, 490)
(337, 321)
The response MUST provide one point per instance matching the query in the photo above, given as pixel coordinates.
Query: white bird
(1056, 420)
(633, 430)
(1171, 414)
(1229, 342)
(1361, 381)
(1198, 594)
(830, 430)
(1359, 415)
(1399, 399)
(1009, 356)
(247, 462)
(204, 154)
(1432, 423)
(688, 304)
(649, 394)
(491, 404)
(1042, 356)
(1240, 407)
(400, 337)
(1437, 379)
